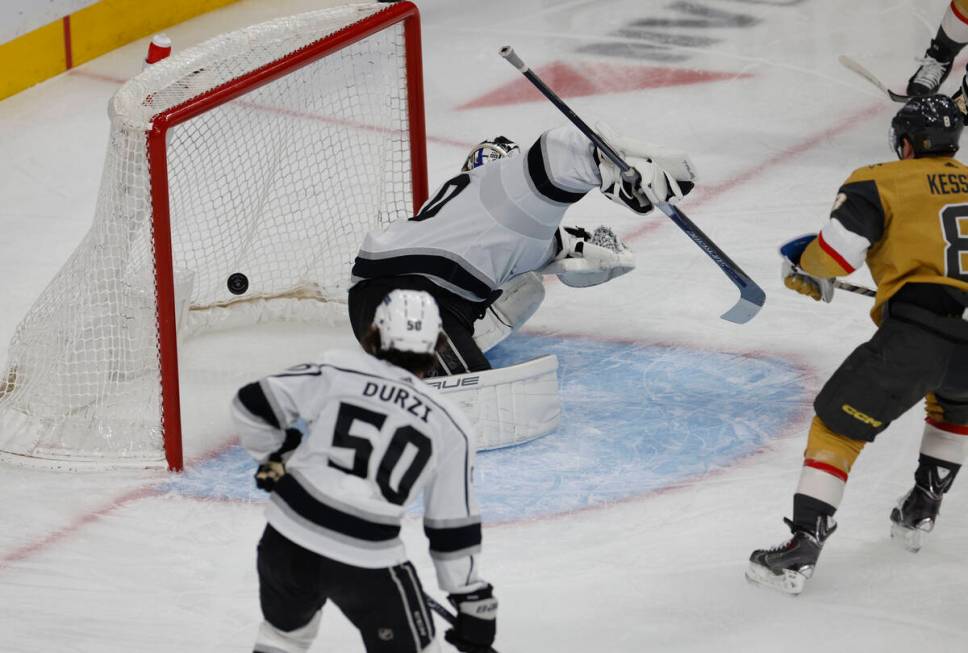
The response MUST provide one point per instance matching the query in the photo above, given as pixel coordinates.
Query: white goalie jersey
(364, 438)
(490, 224)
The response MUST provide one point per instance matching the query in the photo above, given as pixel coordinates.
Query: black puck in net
(238, 283)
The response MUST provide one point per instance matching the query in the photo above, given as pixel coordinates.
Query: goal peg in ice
(158, 49)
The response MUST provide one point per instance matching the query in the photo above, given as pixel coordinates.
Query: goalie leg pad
(519, 300)
(509, 405)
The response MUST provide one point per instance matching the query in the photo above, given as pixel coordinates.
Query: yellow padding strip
(32, 58)
(933, 408)
(825, 446)
(95, 30)
(109, 24)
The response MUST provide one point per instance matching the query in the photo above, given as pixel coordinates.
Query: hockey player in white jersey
(344, 444)
(480, 243)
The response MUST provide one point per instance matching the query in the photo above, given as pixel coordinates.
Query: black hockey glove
(269, 472)
(476, 620)
(275, 468)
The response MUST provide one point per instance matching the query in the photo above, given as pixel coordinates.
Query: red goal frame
(405, 12)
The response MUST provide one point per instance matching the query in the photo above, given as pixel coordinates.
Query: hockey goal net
(240, 178)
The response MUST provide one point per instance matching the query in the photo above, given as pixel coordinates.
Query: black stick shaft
(445, 614)
(752, 296)
(441, 610)
(860, 290)
(627, 171)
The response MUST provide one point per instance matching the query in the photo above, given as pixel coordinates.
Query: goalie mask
(487, 151)
(408, 320)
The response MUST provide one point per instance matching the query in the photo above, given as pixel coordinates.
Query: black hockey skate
(918, 510)
(788, 566)
(914, 517)
(934, 69)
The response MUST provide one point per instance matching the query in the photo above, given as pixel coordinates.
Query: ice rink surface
(629, 529)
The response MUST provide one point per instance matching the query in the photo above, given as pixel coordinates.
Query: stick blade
(897, 97)
(750, 302)
(855, 66)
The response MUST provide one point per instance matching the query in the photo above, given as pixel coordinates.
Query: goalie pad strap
(519, 300)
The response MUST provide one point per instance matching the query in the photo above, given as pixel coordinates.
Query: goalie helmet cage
(268, 152)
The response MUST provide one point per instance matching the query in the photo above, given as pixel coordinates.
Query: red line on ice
(38, 545)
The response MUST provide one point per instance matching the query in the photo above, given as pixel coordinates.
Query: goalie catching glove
(666, 175)
(794, 278)
(476, 623)
(588, 259)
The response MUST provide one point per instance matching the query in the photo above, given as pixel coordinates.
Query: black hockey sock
(934, 474)
(942, 48)
(807, 509)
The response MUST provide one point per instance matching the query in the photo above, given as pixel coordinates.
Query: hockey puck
(238, 283)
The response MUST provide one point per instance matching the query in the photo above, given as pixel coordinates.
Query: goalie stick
(752, 296)
(855, 66)
(446, 614)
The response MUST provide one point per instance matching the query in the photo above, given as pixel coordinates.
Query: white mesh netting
(279, 184)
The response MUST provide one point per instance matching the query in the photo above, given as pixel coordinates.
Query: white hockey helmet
(487, 151)
(408, 320)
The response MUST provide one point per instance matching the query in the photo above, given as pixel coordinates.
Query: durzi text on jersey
(399, 396)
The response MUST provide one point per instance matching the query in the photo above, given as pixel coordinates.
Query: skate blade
(789, 582)
(910, 538)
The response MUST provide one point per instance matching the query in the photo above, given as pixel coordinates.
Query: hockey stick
(445, 613)
(859, 290)
(752, 296)
(855, 66)
(842, 285)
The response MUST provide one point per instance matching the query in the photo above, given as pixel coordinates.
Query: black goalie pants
(386, 605)
(460, 353)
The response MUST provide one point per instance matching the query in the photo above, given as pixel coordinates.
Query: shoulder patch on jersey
(861, 211)
(838, 201)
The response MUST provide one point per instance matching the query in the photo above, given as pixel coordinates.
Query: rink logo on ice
(580, 79)
(675, 33)
(679, 30)
(636, 419)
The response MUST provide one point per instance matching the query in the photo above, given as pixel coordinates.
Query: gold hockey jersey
(907, 219)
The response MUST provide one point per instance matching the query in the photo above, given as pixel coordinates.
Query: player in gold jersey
(908, 220)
